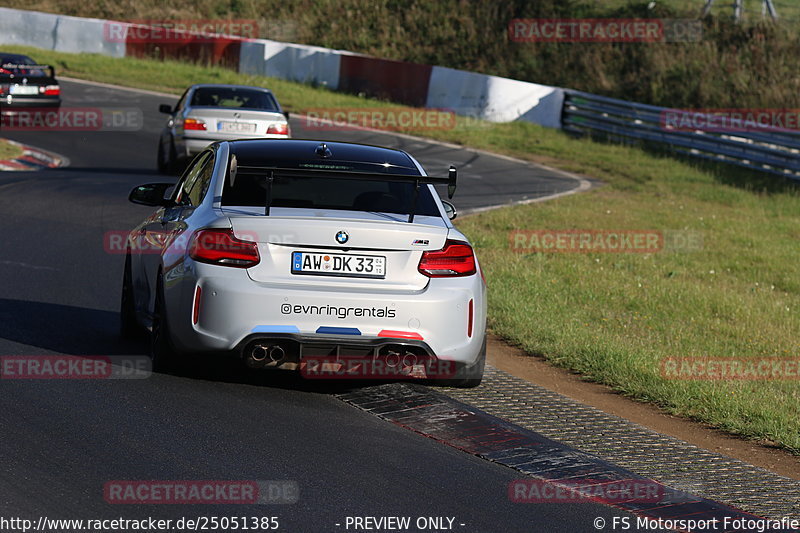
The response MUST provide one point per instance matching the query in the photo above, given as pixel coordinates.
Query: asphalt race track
(63, 440)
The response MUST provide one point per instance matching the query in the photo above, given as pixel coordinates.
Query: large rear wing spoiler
(8, 67)
(270, 173)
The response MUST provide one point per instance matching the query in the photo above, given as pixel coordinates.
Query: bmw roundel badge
(342, 237)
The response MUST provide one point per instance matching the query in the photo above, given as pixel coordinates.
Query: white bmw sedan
(208, 113)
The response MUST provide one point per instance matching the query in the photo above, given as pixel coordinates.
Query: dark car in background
(25, 83)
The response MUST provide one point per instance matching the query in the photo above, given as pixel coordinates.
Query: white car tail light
(278, 129)
(194, 124)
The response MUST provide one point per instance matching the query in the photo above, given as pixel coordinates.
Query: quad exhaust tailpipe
(409, 359)
(393, 359)
(261, 355)
(266, 353)
(259, 352)
(276, 354)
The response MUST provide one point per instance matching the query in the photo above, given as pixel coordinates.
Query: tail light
(220, 247)
(455, 259)
(50, 90)
(278, 129)
(194, 124)
(4, 71)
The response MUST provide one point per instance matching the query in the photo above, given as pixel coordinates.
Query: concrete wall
(467, 93)
(77, 35)
(28, 28)
(493, 98)
(305, 64)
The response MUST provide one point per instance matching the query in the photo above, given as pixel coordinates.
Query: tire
(167, 164)
(160, 162)
(163, 355)
(468, 376)
(129, 327)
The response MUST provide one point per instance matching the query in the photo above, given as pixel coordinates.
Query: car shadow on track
(232, 370)
(63, 329)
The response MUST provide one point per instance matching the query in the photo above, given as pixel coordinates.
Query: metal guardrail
(774, 151)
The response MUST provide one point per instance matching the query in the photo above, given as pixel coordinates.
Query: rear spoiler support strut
(268, 200)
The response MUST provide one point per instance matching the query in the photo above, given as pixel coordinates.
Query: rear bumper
(16, 102)
(195, 146)
(233, 311)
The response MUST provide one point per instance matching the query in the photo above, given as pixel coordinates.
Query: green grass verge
(8, 150)
(611, 317)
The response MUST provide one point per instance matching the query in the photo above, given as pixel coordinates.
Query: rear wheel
(129, 327)
(163, 354)
(166, 159)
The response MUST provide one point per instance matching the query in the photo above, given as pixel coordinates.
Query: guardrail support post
(738, 6)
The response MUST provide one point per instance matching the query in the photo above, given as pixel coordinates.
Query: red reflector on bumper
(196, 312)
(470, 318)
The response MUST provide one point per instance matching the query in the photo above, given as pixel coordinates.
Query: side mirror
(450, 210)
(151, 194)
(165, 108)
(286, 114)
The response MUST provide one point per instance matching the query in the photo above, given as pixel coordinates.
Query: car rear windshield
(318, 192)
(235, 98)
(13, 64)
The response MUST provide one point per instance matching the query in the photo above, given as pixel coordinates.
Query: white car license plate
(357, 266)
(236, 127)
(24, 89)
